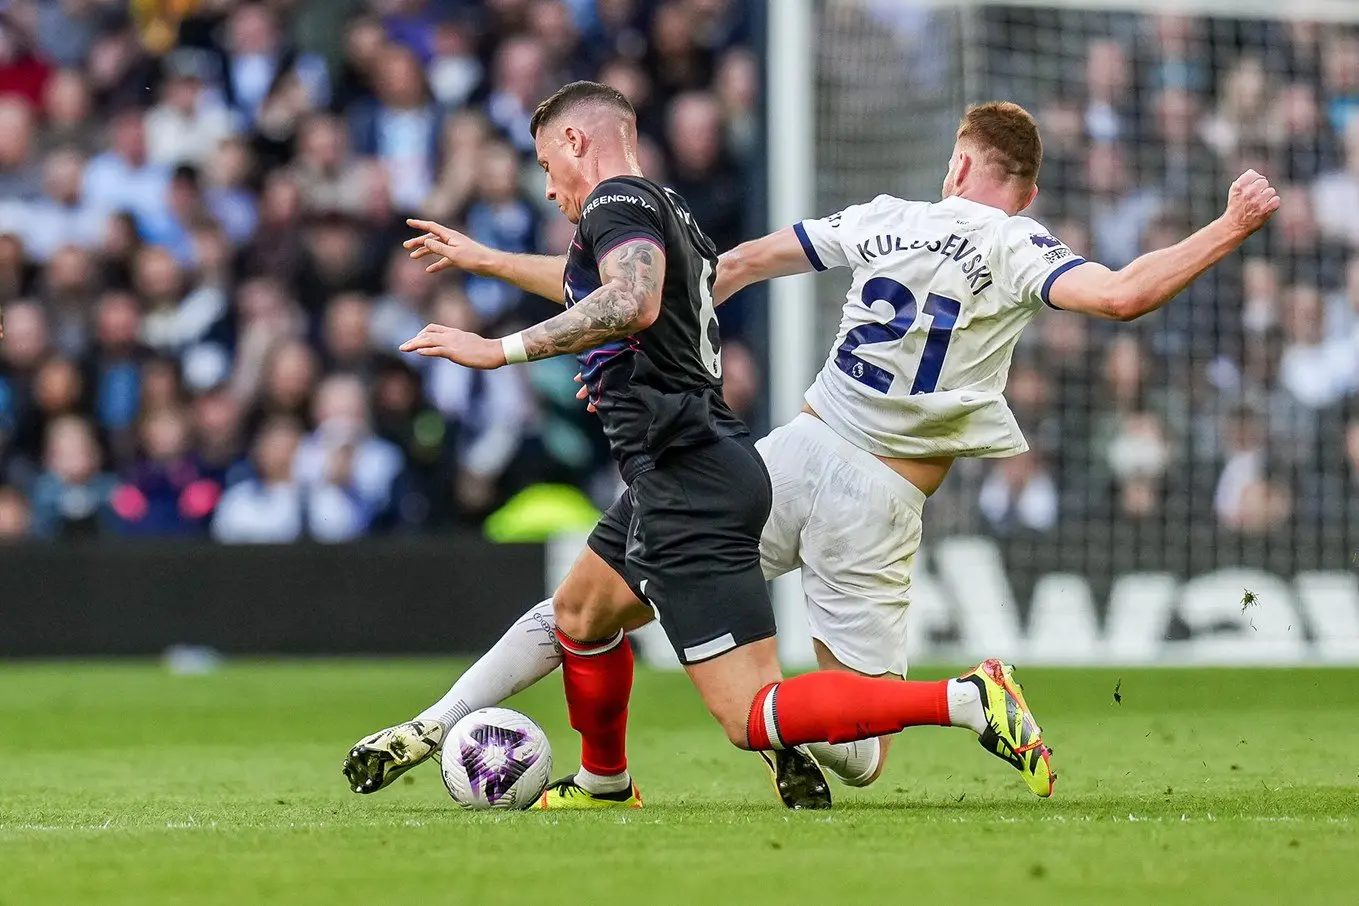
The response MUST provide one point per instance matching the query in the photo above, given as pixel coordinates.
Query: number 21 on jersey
(944, 312)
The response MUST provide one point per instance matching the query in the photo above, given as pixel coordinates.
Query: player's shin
(597, 678)
(836, 707)
(527, 652)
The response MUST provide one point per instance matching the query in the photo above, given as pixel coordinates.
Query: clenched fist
(1251, 201)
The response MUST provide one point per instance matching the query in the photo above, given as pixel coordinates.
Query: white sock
(602, 783)
(526, 653)
(853, 762)
(965, 707)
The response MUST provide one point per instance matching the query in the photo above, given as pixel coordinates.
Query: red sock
(598, 681)
(835, 706)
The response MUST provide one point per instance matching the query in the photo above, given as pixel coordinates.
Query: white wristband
(514, 349)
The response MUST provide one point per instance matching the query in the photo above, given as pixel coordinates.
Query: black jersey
(660, 388)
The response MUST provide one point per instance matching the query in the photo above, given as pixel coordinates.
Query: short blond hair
(1007, 135)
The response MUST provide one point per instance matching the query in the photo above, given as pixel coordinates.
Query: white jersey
(940, 294)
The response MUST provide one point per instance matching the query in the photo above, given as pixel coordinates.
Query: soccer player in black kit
(685, 534)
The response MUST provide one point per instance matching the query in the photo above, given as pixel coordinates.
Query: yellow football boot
(566, 793)
(1012, 734)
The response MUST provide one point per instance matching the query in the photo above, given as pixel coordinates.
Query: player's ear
(575, 140)
(1033, 196)
(962, 168)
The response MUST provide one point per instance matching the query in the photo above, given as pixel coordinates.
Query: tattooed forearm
(628, 301)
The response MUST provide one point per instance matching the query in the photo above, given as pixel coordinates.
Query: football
(496, 758)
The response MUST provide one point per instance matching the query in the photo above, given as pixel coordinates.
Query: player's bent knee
(738, 734)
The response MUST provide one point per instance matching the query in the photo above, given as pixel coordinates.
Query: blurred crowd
(201, 210)
(1234, 412)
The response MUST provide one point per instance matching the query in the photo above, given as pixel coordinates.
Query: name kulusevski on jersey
(940, 294)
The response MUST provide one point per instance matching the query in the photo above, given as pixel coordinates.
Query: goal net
(1216, 441)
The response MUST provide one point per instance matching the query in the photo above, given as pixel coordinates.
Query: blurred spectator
(1244, 464)
(277, 249)
(1177, 58)
(67, 116)
(290, 375)
(1182, 165)
(465, 134)
(266, 319)
(165, 492)
(1336, 194)
(23, 74)
(282, 112)
(565, 59)
(347, 470)
(186, 126)
(500, 217)
(364, 42)
(20, 176)
(219, 434)
(1340, 77)
(677, 60)
(400, 127)
(1315, 372)
(402, 416)
(120, 70)
(1139, 456)
(1108, 80)
(1308, 146)
(1236, 120)
(258, 59)
(268, 507)
(700, 170)
(72, 498)
(618, 28)
(399, 313)
(22, 352)
(324, 170)
(519, 83)
(228, 196)
(454, 71)
(738, 92)
(1019, 494)
(345, 342)
(60, 216)
(113, 370)
(66, 29)
(487, 411)
(123, 178)
(1119, 209)
(337, 261)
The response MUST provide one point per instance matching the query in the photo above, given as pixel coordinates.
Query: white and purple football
(496, 758)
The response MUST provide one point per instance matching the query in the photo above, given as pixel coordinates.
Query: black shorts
(686, 537)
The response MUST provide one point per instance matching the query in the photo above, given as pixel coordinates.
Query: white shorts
(853, 526)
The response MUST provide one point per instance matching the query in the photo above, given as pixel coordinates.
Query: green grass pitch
(123, 784)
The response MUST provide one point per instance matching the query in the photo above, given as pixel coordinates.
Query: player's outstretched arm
(779, 254)
(1157, 277)
(629, 300)
(537, 274)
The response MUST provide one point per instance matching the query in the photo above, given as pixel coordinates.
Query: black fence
(452, 594)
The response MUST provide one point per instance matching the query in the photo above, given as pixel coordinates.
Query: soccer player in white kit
(940, 293)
